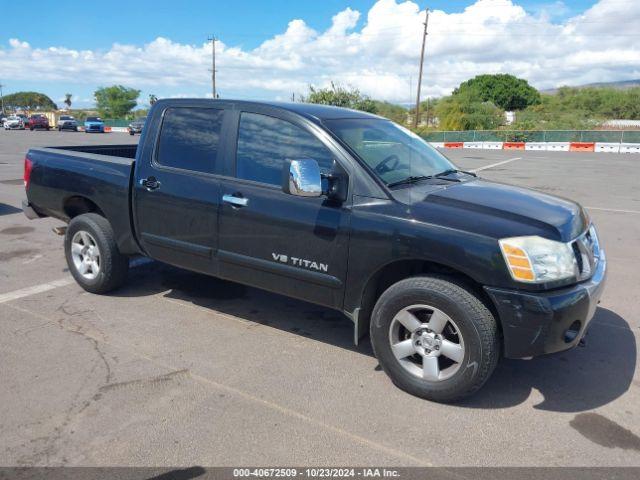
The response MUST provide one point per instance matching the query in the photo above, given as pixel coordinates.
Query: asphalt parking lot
(179, 369)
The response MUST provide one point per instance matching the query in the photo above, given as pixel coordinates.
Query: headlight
(537, 260)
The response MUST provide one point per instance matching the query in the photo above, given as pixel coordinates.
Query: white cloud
(380, 57)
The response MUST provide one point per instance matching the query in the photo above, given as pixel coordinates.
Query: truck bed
(65, 180)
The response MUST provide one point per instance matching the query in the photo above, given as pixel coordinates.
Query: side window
(265, 143)
(189, 138)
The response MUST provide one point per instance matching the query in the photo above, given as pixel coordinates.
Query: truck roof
(309, 110)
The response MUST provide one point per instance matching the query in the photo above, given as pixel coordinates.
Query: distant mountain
(621, 85)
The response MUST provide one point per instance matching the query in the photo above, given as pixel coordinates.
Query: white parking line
(612, 210)
(61, 282)
(475, 170)
(34, 290)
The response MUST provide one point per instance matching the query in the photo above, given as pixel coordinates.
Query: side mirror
(302, 178)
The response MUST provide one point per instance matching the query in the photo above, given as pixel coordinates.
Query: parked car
(38, 121)
(14, 122)
(67, 122)
(445, 270)
(136, 126)
(3, 118)
(25, 120)
(94, 124)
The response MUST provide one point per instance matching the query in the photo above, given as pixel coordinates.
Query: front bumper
(538, 323)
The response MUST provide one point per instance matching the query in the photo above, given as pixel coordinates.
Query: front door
(177, 195)
(292, 245)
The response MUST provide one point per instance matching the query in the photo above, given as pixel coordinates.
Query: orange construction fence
(453, 144)
(513, 146)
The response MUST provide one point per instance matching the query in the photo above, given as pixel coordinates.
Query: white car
(67, 122)
(14, 122)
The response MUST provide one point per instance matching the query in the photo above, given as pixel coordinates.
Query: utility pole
(212, 39)
(1, 99)
(424, 41)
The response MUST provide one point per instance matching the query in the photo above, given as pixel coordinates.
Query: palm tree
(152, 99)
(67, 100)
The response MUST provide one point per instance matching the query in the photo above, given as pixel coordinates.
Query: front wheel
(434, 338)
(92, 254)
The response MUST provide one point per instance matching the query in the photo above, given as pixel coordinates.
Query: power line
(424, 41)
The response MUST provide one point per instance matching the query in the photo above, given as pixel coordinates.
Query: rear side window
(265, 143)
(189, 138)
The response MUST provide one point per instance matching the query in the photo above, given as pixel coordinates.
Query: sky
(272, 49)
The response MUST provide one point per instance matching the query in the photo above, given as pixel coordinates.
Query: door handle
(150, 183)
(235, 201)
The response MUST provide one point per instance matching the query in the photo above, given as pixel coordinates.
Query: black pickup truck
(446, 271)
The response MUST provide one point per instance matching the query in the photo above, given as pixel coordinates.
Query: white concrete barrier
(492, 145)
(630, 148)
(535, 146)
(472, 145)
(607, 147)
(558, 146)
(437, 144)
(120, 129)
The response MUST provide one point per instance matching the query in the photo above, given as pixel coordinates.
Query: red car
(38, 121)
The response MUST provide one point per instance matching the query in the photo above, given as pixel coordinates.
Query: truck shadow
(573, 381)
(247, 303)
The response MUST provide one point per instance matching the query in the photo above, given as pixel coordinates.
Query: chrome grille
(587, 251)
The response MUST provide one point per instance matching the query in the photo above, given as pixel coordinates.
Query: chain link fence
(116, 122)
(604, 136)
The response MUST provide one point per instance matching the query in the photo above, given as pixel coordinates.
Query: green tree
(29, 101)
(393, 112)
(67, 100)
(340, 97)
(459, 112)
(503, 90)
(116, 101)
(152, 99)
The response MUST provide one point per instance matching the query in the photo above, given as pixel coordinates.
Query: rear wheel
(92, 254)
(434, 338)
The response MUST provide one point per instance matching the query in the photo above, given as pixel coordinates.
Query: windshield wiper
(454, 170)
(408, 180)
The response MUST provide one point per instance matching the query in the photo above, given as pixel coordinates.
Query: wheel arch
(397, 270)
(78, 205)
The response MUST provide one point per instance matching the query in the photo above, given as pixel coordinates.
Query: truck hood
(496, 209)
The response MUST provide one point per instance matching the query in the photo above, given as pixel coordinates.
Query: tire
(469, 333)
(112, 266)
(131, 133)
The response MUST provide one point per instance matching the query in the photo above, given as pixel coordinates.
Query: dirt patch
(13, 181)
(605, 432)
(27, 252)
(16, 230)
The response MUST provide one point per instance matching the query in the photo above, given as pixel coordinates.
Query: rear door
(177, 191)
(292, 245)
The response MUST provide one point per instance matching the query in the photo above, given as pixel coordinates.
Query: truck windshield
(394, 153)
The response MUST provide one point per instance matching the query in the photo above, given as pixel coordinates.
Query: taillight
(28, 166)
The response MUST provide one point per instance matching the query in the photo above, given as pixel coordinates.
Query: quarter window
(265, 143)
(189, 138)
